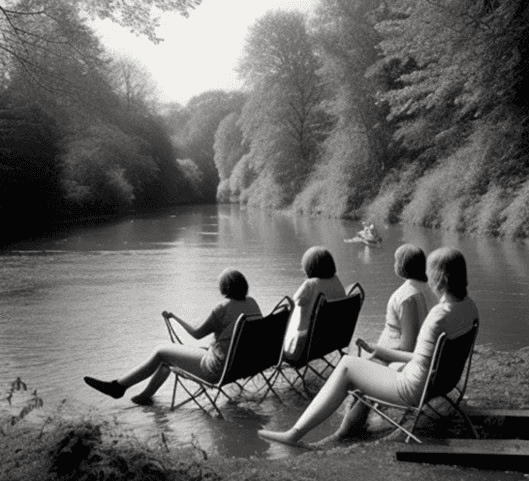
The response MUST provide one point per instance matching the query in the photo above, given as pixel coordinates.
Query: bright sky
(199, 53)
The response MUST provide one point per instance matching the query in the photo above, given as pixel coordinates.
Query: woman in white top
(407, 307)
(454, 315)
(319, 266)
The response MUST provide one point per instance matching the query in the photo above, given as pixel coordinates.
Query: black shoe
(113, 389)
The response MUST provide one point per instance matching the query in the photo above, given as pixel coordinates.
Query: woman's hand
(365, 346)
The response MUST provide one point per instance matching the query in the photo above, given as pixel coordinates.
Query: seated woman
(319, 266)
(406, 309)
(207, 364)
(454, 315)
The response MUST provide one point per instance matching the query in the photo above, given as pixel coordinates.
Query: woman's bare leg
(351, 373)
(353, 421)
(156, 381)
(178, 355)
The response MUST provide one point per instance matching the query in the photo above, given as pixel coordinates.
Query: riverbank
(62, 448)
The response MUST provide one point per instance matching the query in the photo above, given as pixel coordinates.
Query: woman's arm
(302, 298)
(409, 324)
(389, 355)
(197, 332)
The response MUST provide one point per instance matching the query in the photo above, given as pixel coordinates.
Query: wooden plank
(493, 454)
(501, 423)
(497, 413)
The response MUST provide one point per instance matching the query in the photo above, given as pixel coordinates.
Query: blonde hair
(447, 272)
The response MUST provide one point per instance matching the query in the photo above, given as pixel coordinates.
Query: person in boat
(319, 266)
(205, 363)
(454, 314)
(369, 234)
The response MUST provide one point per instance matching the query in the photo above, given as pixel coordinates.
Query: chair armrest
(363, 346)
(171, 329)
(356, 287)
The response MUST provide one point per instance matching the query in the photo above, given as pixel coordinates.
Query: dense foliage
(419, 109)
(78, 134)
(409, 110)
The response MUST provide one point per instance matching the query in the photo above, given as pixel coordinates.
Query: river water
(87, 301)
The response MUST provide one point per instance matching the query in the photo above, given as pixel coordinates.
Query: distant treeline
(407, 110)
(80, 134)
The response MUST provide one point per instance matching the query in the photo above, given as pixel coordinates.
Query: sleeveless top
(454, 318)
(411, 295)
(304, 302)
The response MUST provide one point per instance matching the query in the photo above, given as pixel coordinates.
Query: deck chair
(254, 347)
(447, 380)
(331, 329)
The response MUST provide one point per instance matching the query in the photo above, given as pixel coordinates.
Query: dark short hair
(447, 272)
(318, 262)
(410, 262)
(233, 284)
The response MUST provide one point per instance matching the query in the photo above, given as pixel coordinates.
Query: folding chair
(331, 329)
(448, 374)
(254, 347)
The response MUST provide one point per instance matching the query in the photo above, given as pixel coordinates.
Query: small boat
(368, 236)
(362, 240)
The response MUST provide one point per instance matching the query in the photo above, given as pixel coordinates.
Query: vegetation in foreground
(64, 449)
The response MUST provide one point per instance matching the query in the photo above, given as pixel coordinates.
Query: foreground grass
(65, 449)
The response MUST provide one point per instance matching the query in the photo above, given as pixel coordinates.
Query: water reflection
(88, 301)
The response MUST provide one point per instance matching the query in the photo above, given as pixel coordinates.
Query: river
(87, 301)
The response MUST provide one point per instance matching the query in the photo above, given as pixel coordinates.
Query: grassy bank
(62, 448)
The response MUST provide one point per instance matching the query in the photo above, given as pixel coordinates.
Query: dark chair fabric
(255, 346)
(331, 329)
(447, 379)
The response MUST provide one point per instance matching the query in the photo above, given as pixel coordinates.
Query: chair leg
(463, 415)
(174, 391)
(270, 387)
(409, 433)
(291, 383)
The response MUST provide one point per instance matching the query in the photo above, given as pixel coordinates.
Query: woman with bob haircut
(407, 307)
(320, 269)
(206, 363)
(454, 314)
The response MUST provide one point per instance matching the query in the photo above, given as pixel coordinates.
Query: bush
(516, 215)
(483, 215)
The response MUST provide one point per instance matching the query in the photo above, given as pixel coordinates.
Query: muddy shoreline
(60, 449)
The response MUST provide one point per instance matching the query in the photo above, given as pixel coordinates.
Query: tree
(283, 121)
(50, 48)
(195, 140)
(356, 153)
(32, 30)
(139, 16)
(229, 146)
(134, 84)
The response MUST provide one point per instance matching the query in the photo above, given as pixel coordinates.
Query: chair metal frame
(331, 329)
(448, 374)
(254, 347)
